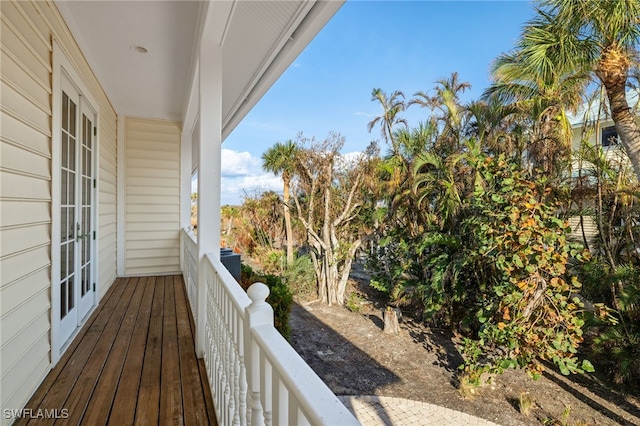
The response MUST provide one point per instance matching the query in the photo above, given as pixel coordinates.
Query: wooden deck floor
(133, 362)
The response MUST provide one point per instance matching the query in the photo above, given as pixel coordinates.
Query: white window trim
(63, 68)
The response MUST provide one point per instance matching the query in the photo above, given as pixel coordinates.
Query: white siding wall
(588, 229)
(152, 197)
(614, 154)
(27, 30)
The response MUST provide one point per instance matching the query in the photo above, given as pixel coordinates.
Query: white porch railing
(190, 270)
(256, 377)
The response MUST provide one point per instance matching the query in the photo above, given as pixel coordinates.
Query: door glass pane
(63, 187)
(64, 150)
(63, 225)
(63, 299)
(72, 153)
(70, 298)
(89, 139)
(72, 188)
(70, 257)
(72, 119)
(65, 112)
(63, 261)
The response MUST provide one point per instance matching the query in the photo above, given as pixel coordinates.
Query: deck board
(189, 369)
(132, 368)
(132, 363)
(171, 412)
(147, 409)
(99, 407)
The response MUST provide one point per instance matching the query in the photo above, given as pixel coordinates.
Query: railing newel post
(258, 313)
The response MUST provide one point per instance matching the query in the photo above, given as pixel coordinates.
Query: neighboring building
(599, 132)
(107, 108)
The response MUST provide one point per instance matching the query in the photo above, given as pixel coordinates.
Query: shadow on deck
(133, 362)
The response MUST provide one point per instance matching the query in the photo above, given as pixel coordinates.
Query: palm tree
(598, 36)
(541, 79)
(280, 160)
(447, 101)
(391, 106)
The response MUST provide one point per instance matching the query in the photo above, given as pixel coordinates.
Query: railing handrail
(245, 355)
(240, 298)
(317, 402)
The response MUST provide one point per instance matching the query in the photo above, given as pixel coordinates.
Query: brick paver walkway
(380, 410)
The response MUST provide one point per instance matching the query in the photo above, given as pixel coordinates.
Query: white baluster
(257, 313)
(266, 389)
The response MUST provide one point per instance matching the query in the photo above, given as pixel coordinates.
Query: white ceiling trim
(218, 18)
(308, 26)
(260, 40)
(283, 39)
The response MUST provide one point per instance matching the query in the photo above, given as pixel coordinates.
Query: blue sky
(393, 45)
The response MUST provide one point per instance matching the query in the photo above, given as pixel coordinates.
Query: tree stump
(390, 316)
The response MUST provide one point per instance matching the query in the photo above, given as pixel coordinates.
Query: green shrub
(301, 278)
(354, 302)
(516, 251)
(280, 297)
(281, 300)
(617, 344)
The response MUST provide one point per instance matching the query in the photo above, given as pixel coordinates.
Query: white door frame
(64, 69)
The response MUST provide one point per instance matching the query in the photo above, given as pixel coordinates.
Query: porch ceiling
(259, 39)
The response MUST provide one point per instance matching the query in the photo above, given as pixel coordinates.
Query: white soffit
(110, 33)
(260, 40)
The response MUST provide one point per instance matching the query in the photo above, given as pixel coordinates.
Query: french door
(77, 201)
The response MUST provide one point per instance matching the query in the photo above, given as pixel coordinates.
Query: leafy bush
(280, 297)
(497, 269)
(517, 251)
(300, 277)
(271, 260)
(617, 344)
(354, 302)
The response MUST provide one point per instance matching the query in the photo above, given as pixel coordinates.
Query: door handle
(79, 235)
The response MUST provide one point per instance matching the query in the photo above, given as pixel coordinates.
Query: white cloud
(242, 174)
(234, 189)
(236, 163)
(349, 159)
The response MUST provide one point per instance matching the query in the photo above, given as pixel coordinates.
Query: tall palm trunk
(613, 69)
(287, 221)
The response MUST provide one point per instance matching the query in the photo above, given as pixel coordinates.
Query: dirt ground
(351, 354)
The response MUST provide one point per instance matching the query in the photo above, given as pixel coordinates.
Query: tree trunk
(613, 69)
(626, 127)
(391, 325)
(287, 222)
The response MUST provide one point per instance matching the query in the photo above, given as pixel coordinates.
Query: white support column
(209, 170)
(185, 187)
(185, 179)
(121, 196)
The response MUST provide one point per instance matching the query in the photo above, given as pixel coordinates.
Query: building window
(609, 136)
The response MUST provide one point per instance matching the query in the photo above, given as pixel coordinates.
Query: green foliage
(271, 260)
(354, 302)
(300, 277)
(280, 297)
(517, 253)
(497, 268)
(617, 344)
